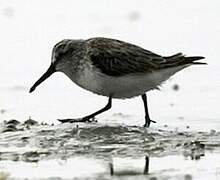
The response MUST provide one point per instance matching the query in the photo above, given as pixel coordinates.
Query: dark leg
(147, 117)
(107, 107)
(90, 117)
(146, 168)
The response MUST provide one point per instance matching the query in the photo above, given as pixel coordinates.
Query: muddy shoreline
(30, 142)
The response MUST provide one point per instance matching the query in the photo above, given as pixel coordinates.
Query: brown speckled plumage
(118, 58)
(114, 68)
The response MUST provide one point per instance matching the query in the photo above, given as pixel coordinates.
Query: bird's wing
(118, 58)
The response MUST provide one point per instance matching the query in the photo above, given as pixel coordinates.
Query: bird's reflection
(125, 172)
(131, 172)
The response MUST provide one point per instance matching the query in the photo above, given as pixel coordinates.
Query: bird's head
(63, 58)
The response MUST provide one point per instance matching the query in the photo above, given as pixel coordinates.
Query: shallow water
(105, 151)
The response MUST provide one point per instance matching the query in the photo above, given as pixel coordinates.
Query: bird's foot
(84, 119)
(148, 121)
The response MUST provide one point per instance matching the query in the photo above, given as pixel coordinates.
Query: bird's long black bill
(47, 74)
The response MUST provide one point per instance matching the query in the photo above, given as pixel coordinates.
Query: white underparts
(124, 86)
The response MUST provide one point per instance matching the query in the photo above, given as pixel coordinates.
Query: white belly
(125, 86)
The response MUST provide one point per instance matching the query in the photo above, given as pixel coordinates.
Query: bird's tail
(175, 63)
(179, 59)
(193, 59)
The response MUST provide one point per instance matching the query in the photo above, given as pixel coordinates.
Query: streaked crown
(59, 49)
(67, 48)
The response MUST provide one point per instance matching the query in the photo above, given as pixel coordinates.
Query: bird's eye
(62, 46)
(59, 55)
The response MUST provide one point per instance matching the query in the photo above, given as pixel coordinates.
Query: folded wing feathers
(117, 58)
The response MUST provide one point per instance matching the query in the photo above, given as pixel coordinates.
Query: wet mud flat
(106, 151)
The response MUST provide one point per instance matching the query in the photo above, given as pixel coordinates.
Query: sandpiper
(114, 68)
